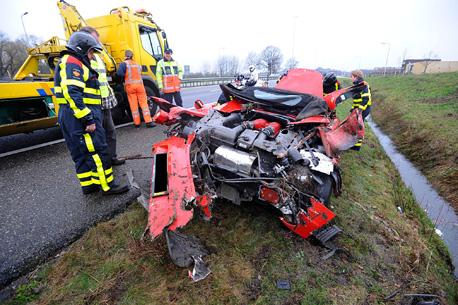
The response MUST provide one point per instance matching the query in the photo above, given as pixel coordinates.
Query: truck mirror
(164, 35)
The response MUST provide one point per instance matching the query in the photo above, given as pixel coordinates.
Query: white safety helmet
(251, 68)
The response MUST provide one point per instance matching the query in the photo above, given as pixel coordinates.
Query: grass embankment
(385, 253)
(420, 113)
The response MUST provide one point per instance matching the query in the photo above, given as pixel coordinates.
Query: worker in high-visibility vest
(362, 99)
(169, 75)
(131, 73)
(109, 100)
(80, 115)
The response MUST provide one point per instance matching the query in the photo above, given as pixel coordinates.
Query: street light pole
(387, 55)
(23, 26)
(294, 35)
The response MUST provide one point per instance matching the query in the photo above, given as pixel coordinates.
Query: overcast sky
(334, 33)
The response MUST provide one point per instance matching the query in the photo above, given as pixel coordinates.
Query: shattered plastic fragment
(283, 284)
(438, 232)
(200, 271)
(183, 248)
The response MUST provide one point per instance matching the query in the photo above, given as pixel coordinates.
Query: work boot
(116, 161)
(116, 188)
(90, 189)
(150, 125)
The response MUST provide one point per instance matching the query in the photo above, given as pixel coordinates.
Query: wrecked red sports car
(274, 146)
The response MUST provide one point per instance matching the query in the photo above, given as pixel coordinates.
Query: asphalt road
(42, 208)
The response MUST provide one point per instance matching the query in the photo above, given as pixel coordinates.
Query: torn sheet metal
(166, 209)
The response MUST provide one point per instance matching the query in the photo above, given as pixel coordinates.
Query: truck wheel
(152, 105)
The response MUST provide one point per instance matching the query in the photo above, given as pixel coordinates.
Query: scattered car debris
(184, 250)
(200, 271)
(283, 284)
(438, 232)
(420, 299)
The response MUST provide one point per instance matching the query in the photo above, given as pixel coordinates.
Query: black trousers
(89, 151)
(109, 127)
(174, 95)
(366, 112)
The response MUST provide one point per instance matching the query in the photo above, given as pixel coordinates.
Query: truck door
(152, 49)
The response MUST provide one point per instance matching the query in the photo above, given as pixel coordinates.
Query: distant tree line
(269, 60)
(13, 53)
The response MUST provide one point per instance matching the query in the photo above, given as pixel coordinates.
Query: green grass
(420, 113)
(384, 252)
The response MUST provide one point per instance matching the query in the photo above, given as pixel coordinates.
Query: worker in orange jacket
(131, 73)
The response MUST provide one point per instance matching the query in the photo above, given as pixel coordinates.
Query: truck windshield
(150, 41)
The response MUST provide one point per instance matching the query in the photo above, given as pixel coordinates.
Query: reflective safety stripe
(359, 143)
(89, 143)
(98, 164)
(82, 113)
(85, 73)
(337, 86)
(78, 113)
(86, 183)
(86, 100)
(57, 90)
(107, 172)
(73, 82)
(61, 100)
(92, 91)
(171, 83)
(96, 181)
(134, 73)
(360, 107)
(100, 171)
(99, 66)
(92, 101)
(84, 175)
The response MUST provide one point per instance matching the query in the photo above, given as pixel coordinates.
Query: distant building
(187, 69)
(428, 65)
(384, 70)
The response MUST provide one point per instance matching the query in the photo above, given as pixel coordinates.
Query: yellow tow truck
(27, 102)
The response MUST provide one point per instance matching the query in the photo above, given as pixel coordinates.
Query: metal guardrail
(208, 81)
(205, 81)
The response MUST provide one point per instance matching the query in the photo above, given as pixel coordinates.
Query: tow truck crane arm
(73, 22)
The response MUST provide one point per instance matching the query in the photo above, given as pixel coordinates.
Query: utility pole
(387, 55)
(23, 26)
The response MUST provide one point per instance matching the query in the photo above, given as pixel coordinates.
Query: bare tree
(271, 59)
(227, 65)
(12, 55)
(252, 59)
(291, 63)
(206, 68)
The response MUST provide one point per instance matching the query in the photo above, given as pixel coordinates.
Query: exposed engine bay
(269, 146)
